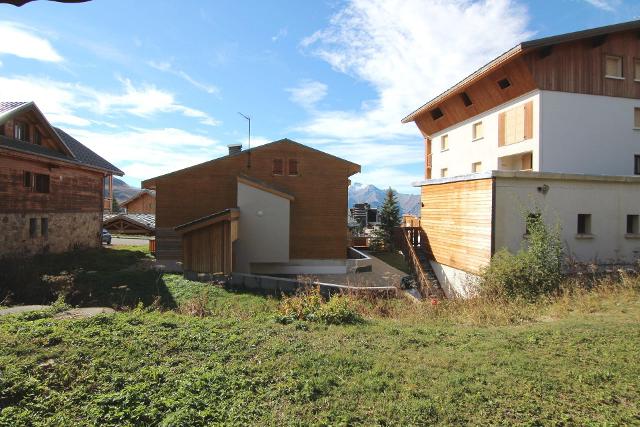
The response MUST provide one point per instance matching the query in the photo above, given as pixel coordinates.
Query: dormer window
(37, 137)
(436, 113)
(613, 67)
(21, 131)
(504, 83)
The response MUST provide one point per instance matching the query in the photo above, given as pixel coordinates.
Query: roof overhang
(225, 215)
(261, 185)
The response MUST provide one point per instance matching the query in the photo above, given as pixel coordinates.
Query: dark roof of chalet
(520, 49)
(84, 154)
(251, 150)
(80, 154)
(147, 221)
(214, 215)
(152, 193)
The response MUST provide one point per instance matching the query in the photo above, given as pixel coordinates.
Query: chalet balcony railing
(410, 240)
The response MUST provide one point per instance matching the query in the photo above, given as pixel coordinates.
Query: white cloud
(282, 33)
(408, 51)
(18, 40)
(606, 5)
(168, 68)
(307, 93)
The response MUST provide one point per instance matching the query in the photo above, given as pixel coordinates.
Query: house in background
(51, 185)
(364, 214)
(139, 224)
(142, 203)
(280, 208)
(552, 124)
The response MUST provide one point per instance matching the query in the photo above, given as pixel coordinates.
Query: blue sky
(155, 86)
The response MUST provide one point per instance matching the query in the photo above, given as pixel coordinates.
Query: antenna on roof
(249, 152)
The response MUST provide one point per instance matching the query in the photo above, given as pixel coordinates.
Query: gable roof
(355, 168)
(225, 215)
(517, 51)
(147, 221)
(76, 152)
(139, 194)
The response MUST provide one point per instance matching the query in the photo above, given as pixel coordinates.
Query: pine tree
(389, 217)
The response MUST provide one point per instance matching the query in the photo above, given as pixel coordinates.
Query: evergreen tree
(389, 217)
(115, 206)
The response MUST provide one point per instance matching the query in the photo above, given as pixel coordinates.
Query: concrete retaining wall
(358, 261)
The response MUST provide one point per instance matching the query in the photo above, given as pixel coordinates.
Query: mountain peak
(368, 193)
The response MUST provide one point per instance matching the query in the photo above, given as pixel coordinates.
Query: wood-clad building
(550, 109)
(142, 203)
(51, 185)
(292, 202)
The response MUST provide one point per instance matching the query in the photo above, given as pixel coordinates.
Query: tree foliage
(389, 218)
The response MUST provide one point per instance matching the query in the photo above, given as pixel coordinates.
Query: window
(33, 227)
(633, 224)
(636, 69)
(44, 227)
(476, 167)
(477, 129)
(21, 131)
(515, 124)
(278, 167)
(504, 83)
(293, 167)
(444, 142)
(37, 137)
(42, 183)
(636, 118)
(636, 164)
(26, 179)
(529, 221)
(584, 223)
(613, 67)
(436, 113)
(444, 172)
(465, 99)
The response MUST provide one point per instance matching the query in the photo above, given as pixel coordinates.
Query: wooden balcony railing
(410, 240)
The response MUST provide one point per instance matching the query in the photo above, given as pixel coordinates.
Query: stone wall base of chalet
(61, 232)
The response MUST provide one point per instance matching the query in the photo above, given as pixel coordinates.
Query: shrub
(308, 304)
(198, 306)
(536, 269)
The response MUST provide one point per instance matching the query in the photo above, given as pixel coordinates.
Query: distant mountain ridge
(362, 193)
(123, 191)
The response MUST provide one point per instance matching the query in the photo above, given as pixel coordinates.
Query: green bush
(536, 269)
(309, 304)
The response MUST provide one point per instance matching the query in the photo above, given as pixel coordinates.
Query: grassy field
(572, 361)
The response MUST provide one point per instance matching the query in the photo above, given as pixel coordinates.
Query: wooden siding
(208, 249)
(579, 66)
(318, 213)
(70, 189)
(48, 138)
(457, 220)
(485, 94)
(144, 204)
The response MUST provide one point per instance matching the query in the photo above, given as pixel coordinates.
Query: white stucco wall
(588, 134)
(608, 202)
(263, 228)
(463, 150)
(455, 283)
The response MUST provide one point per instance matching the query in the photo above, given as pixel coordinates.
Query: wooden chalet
(51, 185)
(130, 223)
(142, 203)
(280, 208)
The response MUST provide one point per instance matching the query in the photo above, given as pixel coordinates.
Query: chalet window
(477, 130)
(27, 181)
(21, 131)
(636, 164)
(293, 167)
(44, 227)
(515, 124)
(613, 67)
(42, 183)
(444, 172)
(278, 167)
(636, 69)
(504, 83)
(633, 224)
(465, 99)
(436, 113)
(476, 167)
(584, 223)
(531, 218)
(444, 142)
(636, 118)
(37, 137)
(33, 227)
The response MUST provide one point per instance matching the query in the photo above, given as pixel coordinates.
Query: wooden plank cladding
(456, 218)
(208, 249)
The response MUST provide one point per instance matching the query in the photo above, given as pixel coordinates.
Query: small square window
(444, 142)
(26, 179)
(44, 227)
(613, 67)
(477, 130)
(293, 167)
(636, 118)
(21, 131)
(584, 223)
(633, 224)
(37, 137)
(278, 167)
(476, 167)
(42, 183)
(465, 99)
(504, 83)
(636, 164)
(33, 227)
(444, 172)
(436, 113)
(636, 69)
